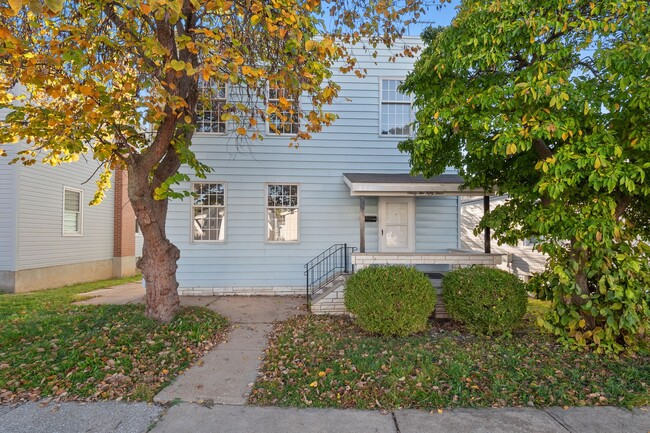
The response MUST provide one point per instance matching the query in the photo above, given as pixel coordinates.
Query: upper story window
(396, 112)
(72, 211)
(282, 213)
(286, 120)
(210, 107)
(209, 212)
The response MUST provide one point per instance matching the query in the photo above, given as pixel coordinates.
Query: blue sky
(436, 15)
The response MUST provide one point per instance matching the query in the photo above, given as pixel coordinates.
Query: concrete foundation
(243, 291)
(124, 266)
(7, 281)
(28, 280)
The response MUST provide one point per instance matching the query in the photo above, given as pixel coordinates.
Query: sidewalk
(105, 417)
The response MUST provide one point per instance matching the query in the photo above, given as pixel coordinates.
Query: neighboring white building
(50, 237)
(521, 259)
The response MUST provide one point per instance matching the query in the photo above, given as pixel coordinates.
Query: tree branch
(543, 151)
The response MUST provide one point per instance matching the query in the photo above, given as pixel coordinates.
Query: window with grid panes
(286, 120)
(72, 221)
(396, 113)
(282, 213)
(208, 212)
(210, 107)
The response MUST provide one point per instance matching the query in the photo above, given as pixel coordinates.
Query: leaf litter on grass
(445, 367)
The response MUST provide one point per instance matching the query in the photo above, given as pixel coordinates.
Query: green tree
(119, 80)
(549, 102)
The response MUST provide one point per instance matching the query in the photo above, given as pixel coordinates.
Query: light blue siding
(327, 212)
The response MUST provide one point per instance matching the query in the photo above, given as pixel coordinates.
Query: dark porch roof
(403, 184)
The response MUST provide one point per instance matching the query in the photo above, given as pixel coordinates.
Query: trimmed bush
(390, 300)
(487, 300)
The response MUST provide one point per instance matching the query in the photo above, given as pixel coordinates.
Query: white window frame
(80, 219)
(381, 107)
(225, 213)
(267, 207)
(296, 103)
(223, 100)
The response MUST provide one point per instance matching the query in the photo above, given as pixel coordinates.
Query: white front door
(396, 224)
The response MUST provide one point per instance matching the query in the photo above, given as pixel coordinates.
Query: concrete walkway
(114, 417)
(227, 373)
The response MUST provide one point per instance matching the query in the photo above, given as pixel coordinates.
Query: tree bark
(582, 281)
(159, 255)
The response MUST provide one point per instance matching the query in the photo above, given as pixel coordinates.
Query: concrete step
(330, 287)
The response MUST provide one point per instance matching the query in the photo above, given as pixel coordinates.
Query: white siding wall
(7, 211)
(328, 214)
(40, 209)
(521, 260)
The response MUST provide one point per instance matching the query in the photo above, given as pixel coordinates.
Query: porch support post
(362, 224)
(486, 211)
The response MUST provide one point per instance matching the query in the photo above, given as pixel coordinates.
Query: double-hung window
(210, 107)
(282, 213)
(396, 112)
(208, 212)
(285, 119)
(72, 211)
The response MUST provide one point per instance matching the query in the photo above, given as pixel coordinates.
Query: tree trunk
(159, 255)
(582, 281)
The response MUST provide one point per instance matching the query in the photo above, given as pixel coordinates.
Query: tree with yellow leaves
(119, 80)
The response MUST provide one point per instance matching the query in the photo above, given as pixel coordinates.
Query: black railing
(328, 265)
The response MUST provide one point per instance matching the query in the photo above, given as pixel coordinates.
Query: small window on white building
(209, 212)
(282, 213)
(396, 113)
(210, 107)
(72, 211)
(287, 119)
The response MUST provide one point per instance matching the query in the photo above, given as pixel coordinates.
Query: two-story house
(268, 209)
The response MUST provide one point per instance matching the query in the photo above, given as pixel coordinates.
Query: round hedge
(390, 300)
(487, 300)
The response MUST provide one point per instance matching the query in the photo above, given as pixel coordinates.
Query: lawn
(329, 362)
(51, 348)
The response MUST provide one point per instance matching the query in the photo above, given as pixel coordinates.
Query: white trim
(225, 213)
(213, 133)
(408, 189)
(267, 123)
(381, 104)
(80, 222)
(266, 215)
(381, 226)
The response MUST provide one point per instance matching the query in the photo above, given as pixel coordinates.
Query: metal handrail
(328, 265)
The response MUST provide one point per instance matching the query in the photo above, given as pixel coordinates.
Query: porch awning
(403, 184)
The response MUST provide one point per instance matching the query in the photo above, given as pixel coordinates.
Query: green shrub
(487, 300)
(390, 300)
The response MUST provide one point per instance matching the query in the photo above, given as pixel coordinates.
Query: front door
(396, 224)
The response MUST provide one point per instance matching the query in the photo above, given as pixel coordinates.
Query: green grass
(51, 348)
(329, 362)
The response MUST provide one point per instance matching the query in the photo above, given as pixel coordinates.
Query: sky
(435, 16)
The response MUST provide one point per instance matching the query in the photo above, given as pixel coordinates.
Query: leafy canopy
(549, 102)
(117, 78)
